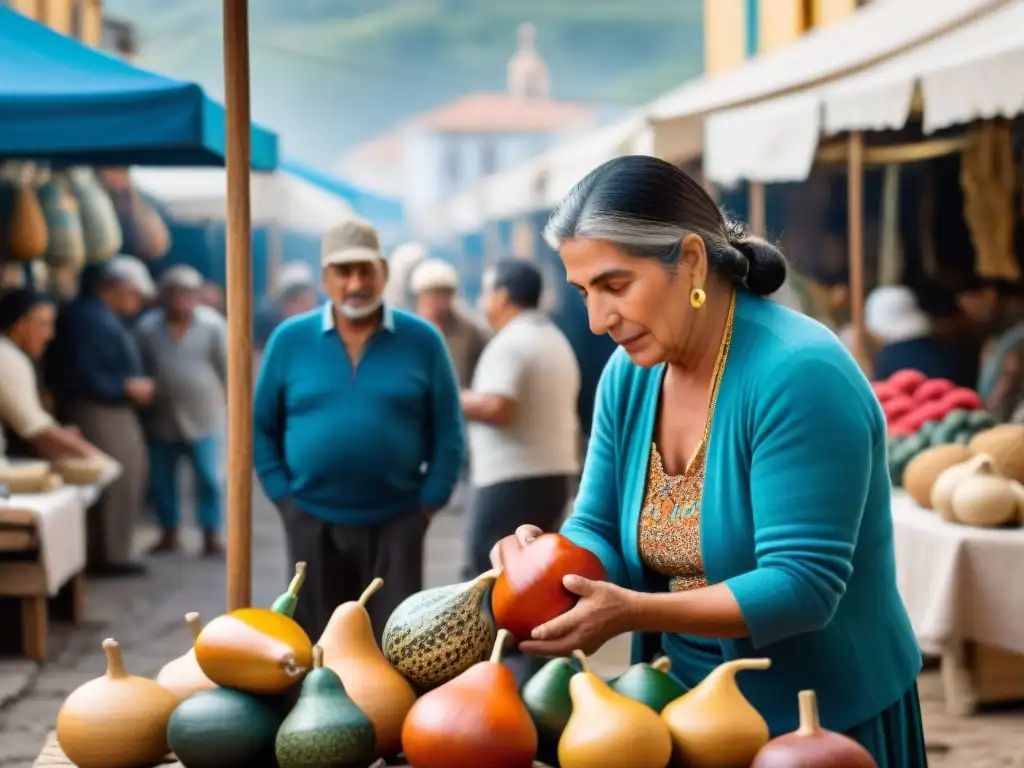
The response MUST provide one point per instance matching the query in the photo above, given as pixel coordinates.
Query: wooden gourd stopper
(318, 657)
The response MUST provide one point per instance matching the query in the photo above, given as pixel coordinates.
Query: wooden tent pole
(855, 229)
(239, 305)
(756, 204)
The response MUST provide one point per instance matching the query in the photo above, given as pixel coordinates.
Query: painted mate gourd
(474, 720)
(609, 730)
(436, 635)
(713, 725)
(118, 720)
(377, 688)
(811, 746)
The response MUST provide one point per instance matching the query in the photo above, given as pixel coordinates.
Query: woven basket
(32, 477)
(80, 471)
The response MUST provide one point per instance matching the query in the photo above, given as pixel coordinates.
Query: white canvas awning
(879, 30)
(278, 198)
(975, 71)
(971, 72)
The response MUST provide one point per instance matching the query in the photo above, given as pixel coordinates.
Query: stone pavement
(147, 617)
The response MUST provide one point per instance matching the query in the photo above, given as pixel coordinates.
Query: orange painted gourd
(255, 650)
(529, 591)
(182, 676)
(811, 746)
(377, 688)
(117, 720)
(473, 721)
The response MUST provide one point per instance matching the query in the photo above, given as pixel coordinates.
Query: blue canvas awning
(67, 103)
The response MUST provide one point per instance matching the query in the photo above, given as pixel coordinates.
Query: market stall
(67, 108)
(70, 104)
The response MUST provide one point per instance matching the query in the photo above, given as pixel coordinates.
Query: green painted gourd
(547, 699)
(436, 635)
(325, 729)
(286, 602)
(649, 684)
(224, 728)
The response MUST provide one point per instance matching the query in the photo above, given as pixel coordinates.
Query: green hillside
(330, 73)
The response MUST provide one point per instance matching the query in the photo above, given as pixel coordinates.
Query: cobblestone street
(146, 616)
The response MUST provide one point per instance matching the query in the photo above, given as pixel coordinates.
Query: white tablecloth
(959, 583)
(60, 521)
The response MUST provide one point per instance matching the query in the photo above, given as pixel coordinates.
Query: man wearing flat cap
(358, 434)
(435, 286)
(99, 382)
(184, 347)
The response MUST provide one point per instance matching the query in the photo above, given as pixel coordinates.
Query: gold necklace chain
(719, 370)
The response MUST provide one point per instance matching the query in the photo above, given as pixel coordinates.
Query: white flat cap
(182, 277)
(434, 275)
(132, 271)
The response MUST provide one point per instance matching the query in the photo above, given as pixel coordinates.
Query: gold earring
(697, 298)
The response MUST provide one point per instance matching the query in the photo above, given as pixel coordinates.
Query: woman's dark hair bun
(766, 270)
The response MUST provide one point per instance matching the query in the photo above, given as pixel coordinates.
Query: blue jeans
(204, 456)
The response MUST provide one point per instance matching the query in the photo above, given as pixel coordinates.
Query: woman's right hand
(524, 535)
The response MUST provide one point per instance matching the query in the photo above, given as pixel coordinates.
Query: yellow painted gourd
(608, 730)
(256, 650)
(713, 725)
(117, 720)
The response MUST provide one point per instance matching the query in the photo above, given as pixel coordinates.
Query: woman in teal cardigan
(735, 485)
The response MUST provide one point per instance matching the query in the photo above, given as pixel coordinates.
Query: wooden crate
(53, 756)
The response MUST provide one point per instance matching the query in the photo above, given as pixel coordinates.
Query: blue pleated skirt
(896, 736)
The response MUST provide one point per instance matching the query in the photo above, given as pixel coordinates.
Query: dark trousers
(342, 560)
(495, 511)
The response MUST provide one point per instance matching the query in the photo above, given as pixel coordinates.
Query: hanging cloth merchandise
(144, 233)
(66, 247)
(100, 225)
(988, 176)
(26, 226)
(890, 247)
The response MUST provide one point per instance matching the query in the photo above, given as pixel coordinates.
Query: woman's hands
(524, 535)
(602, 612)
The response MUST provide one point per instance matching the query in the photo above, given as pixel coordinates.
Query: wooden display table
(42, 554)
(961, 589)
(53, 756)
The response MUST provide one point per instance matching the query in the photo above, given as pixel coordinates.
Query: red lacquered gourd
(811, 746)
(529, 589)
(475, 720)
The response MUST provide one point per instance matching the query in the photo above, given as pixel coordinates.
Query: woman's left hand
(602, 612)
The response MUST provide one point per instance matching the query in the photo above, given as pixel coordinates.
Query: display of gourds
(144, 232)
(101, 229)
(229, 702)
(975, 493)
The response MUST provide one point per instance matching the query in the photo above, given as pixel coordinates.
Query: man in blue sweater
(358, 434)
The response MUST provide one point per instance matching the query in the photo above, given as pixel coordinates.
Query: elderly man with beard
(358, 434)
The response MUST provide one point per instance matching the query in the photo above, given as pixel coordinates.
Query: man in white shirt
(522, 417)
